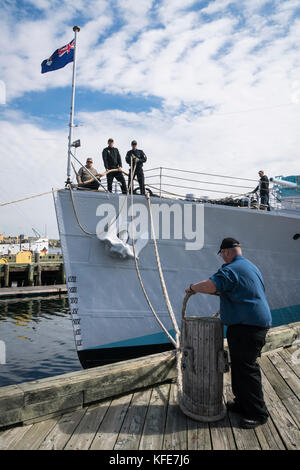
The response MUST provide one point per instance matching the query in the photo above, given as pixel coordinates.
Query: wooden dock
(148, 416)
(48, 269)
(32, 291)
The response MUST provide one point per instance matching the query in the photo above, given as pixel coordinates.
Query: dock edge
(30, 402)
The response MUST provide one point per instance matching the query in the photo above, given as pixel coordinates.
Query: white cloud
(216, 6)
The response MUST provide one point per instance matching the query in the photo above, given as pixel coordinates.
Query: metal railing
(214, 188)
(166, 182)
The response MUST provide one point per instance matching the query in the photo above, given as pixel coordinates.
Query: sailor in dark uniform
(112, 160)
(138, 158)
(263, 187)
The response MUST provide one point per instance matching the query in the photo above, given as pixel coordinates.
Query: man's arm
(119, 159)
(104, 156)
(98, 175)
(143, 157)
(203, 287)
(78, 176)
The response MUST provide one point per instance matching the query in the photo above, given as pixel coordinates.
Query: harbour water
(39, 340)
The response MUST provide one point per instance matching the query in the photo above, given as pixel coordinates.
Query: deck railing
(207, 188)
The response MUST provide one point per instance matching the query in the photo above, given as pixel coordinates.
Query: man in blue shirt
(245, 310)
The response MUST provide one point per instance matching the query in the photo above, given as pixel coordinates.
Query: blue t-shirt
(242, 294)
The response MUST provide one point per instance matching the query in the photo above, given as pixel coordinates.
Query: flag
(59, 58)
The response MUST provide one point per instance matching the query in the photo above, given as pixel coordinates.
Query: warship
(111, 317)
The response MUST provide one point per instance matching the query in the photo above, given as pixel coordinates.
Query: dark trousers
(140, 178)
(264, 199)
(91, 185)
(119, 177)
(245, 343)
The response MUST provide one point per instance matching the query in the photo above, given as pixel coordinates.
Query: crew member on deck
(245, 310)
(263, 187)
(138, 158)
(112, 160)
(84, 178)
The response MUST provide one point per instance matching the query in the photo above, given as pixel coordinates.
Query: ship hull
(111, 318)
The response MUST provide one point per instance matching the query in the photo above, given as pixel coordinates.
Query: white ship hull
(111, 318)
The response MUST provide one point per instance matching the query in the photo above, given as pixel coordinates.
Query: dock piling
(6, 275)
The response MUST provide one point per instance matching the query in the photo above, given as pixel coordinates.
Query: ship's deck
(151, 419)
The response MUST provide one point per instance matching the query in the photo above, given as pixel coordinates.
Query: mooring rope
(137, 266)
(113, 220)
(30, 197)
(168, 304)
(177, 342)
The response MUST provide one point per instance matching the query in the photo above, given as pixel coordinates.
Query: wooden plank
(88, 426)
(291, 357)
(153, 433)
(278, 383)
(292, 405)
(245, 439)
(11, 397)
(102, 382)
(106, 436)
(132, 427)
(10, 417)
(60, 404)
(268, 437)
(198, 435)
(9, 437)
(34, 436)
(222, 435)
(62, 431)
(283, 421)
(11, 403)
(32, 290)
(267, 434)
(128, 376)
(55, 414)
(175, 436)
(278, 337)
(285, 371)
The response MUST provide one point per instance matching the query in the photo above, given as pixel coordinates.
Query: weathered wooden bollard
(204, 361)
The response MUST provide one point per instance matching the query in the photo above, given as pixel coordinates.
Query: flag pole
(76, 29)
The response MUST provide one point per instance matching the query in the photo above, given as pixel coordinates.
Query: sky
(209, 86)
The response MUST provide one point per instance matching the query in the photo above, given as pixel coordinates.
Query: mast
(76, 29)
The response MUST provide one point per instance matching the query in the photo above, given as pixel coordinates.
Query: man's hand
(190, 291)
(100, 175)
(119, 168)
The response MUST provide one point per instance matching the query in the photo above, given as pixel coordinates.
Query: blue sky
(199, 84)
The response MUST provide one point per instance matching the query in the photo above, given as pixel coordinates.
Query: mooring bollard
(204, 362)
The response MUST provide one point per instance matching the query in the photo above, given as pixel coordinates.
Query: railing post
(160, 176)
